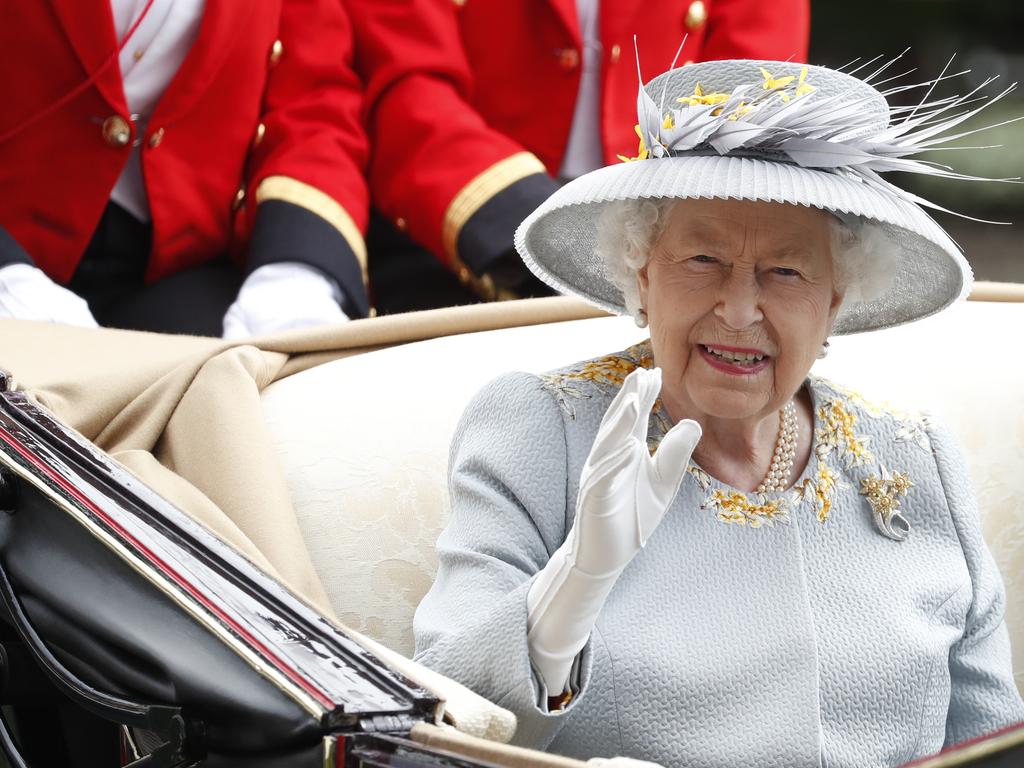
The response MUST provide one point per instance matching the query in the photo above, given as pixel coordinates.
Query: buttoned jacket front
(783, 629)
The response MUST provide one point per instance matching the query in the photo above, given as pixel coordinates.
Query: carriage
(210, 553)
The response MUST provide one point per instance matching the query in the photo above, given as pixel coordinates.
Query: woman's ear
(833, 310)
(643, 284)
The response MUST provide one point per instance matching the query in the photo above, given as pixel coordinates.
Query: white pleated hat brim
(557, 241)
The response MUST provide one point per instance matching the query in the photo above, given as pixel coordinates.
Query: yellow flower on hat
(775, 83)
(781, 84)
(699, 97)
(802, 87)
(641, 151)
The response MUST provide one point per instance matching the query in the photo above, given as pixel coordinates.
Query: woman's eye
(702, 258)
(786, 272)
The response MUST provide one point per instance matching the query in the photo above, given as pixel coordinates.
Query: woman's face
(740, 297)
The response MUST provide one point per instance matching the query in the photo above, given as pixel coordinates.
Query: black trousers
(111, 274)
(405, 276)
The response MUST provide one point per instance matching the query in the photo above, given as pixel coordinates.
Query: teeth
(737, 357)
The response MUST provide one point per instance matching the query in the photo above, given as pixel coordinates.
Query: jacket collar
(566, 11)
(218, 33)
(89, 27)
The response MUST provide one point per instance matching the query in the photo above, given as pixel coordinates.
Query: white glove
(26, 293)
(278, 297)
(624, 493)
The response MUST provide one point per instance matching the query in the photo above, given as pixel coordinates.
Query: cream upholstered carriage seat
(364, 440)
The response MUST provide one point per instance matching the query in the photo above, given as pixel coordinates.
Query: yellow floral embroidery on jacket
(735, 507)
(911, 425)
(608, 371)
(613, 369)
(820, 489)
(835, 432)
(703, 478)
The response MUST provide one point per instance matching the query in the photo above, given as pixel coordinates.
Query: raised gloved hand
(26, 293)
(282, 296)
(624, 493)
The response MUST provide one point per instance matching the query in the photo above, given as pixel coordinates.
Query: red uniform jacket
(260, 128)
(470, 101)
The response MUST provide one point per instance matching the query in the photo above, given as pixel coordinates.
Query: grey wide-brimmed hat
(778, 132)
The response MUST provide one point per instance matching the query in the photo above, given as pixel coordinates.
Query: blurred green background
(987, 37)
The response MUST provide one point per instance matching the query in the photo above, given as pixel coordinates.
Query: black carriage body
(143, 618)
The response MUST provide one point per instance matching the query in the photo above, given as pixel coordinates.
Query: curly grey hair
(863, 257)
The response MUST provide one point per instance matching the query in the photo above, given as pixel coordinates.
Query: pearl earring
(824, 351)
(640, 318)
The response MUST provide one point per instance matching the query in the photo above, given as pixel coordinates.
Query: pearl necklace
(785, 450)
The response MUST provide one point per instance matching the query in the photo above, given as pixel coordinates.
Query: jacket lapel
(218, 32)
(89, 27)
(566, 12)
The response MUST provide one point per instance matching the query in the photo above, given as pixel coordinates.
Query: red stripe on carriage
(167, 570)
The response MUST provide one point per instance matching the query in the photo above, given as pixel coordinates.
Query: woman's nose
(739, 301)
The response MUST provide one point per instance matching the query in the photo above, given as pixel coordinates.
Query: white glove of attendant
(282, 296)
(26, 293)
(624, 493)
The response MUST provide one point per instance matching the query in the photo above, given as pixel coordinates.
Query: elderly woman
(692, 551)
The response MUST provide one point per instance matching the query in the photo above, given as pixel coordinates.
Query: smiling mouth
(735, 358)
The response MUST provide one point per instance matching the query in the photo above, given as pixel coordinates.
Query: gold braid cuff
(482, 188)
(323, 205)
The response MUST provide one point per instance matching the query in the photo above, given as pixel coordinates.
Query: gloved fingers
(672, 458)
(11, 306)
(630, 386)
(649, 387)
(643, 385)
(283, 296)
(26, 293)
(610, 478)
(74, 310)
(627, 417)
(616, 425)
(234, 324)
(613, 449)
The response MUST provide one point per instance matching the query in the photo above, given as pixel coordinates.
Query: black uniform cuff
(288, 232)
(11, 251)
(490, 231)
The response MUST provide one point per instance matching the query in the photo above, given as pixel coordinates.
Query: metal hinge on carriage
(388, 723)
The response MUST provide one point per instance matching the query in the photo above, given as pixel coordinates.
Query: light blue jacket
(781, 630)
